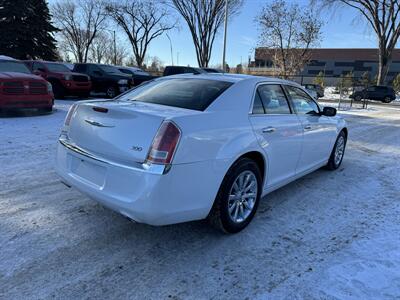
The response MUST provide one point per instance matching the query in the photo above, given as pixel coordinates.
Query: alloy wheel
(242, 196)
(339, 151)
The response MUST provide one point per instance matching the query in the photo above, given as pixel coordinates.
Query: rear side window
(190, 93)
(273, 99)
(258, 107)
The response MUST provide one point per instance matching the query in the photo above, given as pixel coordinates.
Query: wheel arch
(255, 155)
(346, 131)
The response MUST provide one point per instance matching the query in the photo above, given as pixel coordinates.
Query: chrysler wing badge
(98, 124)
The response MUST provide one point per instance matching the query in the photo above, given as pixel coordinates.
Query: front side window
(53, 67)
(80, 68)
(125, 71)
(190, 93)
(95, 70)
(303, 104)
(38, 67)
(109, 69)
(273, 99)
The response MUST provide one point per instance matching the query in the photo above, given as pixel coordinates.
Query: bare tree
(100, 47)
(384, 17)
(288, 32)
(142, 21)
(102, 52)
(204, 18)
(79, 22)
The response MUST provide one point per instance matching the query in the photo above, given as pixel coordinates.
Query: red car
(19, 88)
(64, 81)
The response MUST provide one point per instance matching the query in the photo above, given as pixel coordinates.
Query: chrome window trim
(144, 167)
(270, 83)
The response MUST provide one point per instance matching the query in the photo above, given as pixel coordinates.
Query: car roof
(234, 78)
(4, 57)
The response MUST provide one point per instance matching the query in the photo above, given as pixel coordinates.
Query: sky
(343, 28)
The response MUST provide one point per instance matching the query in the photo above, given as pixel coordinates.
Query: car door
(319, 132)
(278, 132)
(97, 76)
(39, 69)
(371, 93)
(381, 93)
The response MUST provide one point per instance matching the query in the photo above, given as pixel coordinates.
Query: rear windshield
(13, 66)
(190, 93)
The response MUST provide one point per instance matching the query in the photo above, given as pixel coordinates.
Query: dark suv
(105, 78)
(385, 94)
(174, 70)
(138, 75)
(64, 82)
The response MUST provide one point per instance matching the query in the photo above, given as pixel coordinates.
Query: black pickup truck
(105, 78)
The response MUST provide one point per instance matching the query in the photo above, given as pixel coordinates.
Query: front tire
(111, 92)
(58, 90)
(238, 197)
(336, 158)
(46, 109)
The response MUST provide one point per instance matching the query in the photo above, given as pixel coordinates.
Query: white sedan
(190, 147)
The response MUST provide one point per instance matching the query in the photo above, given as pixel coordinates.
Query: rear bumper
(26, 101)
(185, 193)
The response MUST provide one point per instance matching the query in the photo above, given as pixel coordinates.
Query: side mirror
(41, 70)
(329, 111)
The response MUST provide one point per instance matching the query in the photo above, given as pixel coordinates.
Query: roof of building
(370, 54)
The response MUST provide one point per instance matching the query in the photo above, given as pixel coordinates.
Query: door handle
(307, 127)
(269, 130)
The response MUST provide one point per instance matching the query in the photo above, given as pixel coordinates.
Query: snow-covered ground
(330, 235)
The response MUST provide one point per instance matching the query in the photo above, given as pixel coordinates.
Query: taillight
(164, 144)
(69, 114)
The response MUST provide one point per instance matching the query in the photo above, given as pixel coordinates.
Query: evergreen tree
(319, 79)
(26, 30)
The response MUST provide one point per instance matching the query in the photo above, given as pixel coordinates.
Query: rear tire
(387, 100)
(336, 158)
(238, 197)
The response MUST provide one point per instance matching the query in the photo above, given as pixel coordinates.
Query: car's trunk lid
(120, 131)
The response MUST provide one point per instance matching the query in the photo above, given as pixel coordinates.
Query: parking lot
(328, 235)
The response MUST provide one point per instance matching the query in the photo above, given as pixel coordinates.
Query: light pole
(225, 30)
(115, 45)
(170, 44)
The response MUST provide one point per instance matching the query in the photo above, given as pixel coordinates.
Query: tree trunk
(383, 67)
(139, 61)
